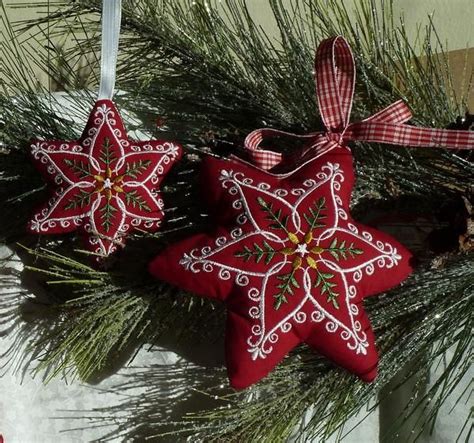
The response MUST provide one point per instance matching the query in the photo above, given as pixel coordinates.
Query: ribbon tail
(404, 135)
(264, 158)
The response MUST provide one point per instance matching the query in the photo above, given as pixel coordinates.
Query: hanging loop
(111, 18)
(335, 79)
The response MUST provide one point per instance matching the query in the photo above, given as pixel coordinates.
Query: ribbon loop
(111, 18)
(335, 82)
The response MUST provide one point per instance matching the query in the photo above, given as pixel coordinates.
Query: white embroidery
(263, 337)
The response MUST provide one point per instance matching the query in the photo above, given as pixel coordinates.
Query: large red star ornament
(103, 184)
(286, 256)
(290, 263)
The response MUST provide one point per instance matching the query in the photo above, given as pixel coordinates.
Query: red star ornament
(103, 184)
(290, 263)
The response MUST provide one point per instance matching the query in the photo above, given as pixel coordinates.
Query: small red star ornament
(103, 184)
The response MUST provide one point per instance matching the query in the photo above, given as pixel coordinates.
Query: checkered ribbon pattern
(335, 81)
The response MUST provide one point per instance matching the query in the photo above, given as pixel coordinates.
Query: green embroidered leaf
(134, 169)
(246, 254)
(279, 221)
(341, 250)
(334, 301)
(80, 200)
(323, 281)
(327, 275)
(294, 282)
(136, 200)
(270, 252)
(106, 154)
(258, 253)
(354, 251)
(279, 300)
(107, 215)
(315, 214)
(287, 285)
(80, 168)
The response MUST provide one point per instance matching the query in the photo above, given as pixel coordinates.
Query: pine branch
(304, 380)
(92, 316)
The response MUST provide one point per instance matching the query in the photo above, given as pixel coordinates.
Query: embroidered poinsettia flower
(103, 184)
(290, 263)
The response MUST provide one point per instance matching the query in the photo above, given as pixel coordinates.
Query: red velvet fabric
(103, 184)
(290, 263)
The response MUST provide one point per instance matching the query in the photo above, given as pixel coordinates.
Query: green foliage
(323, 281)
(136, 200)
(81, 168)
(210, 69)
(106, 153)
(307, 382)
(107, 214)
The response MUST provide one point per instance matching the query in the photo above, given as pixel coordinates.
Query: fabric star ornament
(286, 256)
(290, 263)
(103, 184)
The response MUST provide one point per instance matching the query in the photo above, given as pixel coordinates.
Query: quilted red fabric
(286, 256)
(290, 263)
(103, 184)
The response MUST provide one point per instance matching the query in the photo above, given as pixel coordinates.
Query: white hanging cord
(111, 17)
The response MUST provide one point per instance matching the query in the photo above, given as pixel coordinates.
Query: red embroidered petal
(105, 137)
(65, 210)
(148, 161)
(61, 163)
(107, 221)
(143, 207)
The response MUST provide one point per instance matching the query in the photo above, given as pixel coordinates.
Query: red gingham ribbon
(335, 80)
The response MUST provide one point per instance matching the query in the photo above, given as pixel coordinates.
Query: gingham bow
(335, 80)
